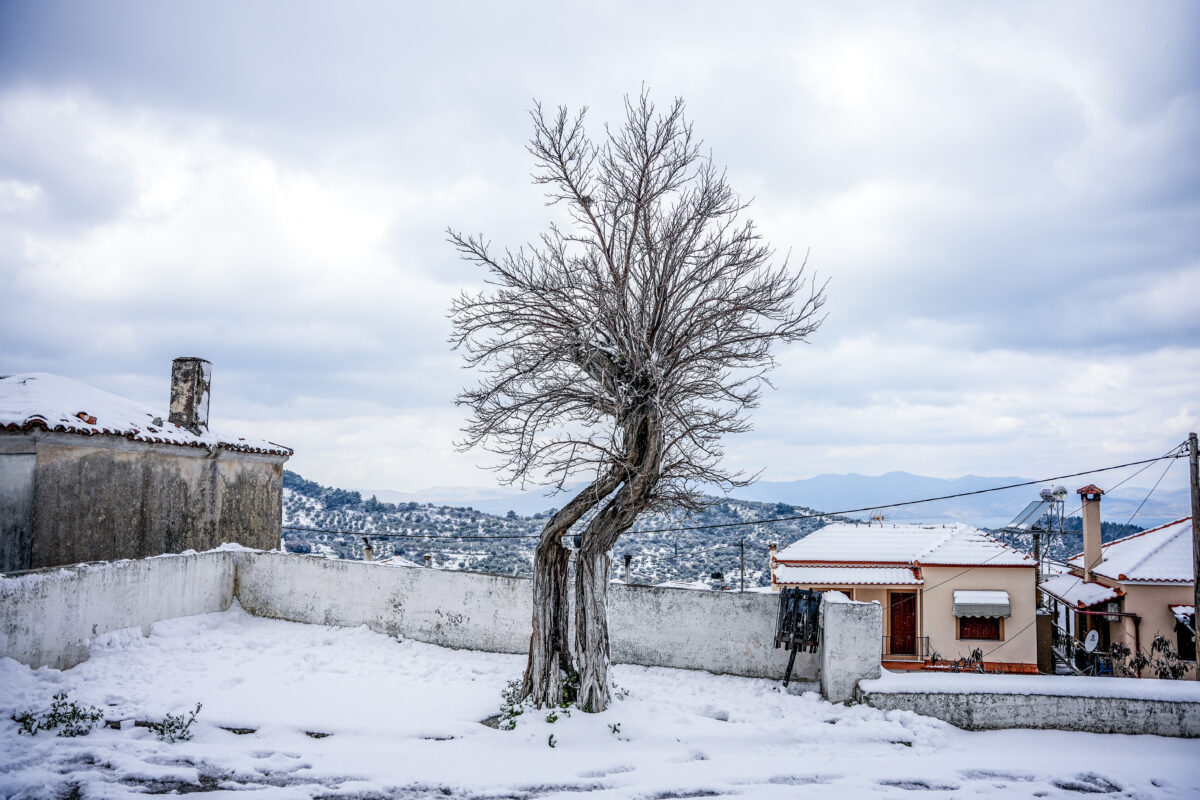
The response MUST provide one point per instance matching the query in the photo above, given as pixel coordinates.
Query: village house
(1128, 591)
(946, 590)
(86, 475)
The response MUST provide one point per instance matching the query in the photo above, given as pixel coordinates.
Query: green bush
(66, 717)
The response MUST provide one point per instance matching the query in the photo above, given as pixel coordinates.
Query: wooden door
(903, 623)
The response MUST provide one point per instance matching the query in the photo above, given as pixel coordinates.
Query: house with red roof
(1129, 591)
(87, 475)
(946, 590)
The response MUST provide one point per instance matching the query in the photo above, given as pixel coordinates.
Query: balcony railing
(1074, 655)
(911, 646)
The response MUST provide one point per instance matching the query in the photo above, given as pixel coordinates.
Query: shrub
(175, 727)
(65, 716)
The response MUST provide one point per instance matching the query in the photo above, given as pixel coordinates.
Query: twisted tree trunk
(550, 662)
(591, 628)
(549, 646)
(594, 561)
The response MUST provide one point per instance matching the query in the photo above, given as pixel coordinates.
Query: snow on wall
(49, 617)
(719, 632)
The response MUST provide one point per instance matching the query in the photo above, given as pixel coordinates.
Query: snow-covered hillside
(504, 544)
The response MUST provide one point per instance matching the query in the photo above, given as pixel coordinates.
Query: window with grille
(979, 628)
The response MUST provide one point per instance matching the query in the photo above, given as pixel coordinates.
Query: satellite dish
(1093, 639)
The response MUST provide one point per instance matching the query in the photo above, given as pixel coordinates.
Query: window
(979, 628)
(1187, 642)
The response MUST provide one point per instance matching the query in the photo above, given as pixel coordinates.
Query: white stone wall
(453, 609)
(49, 617)
(851, 645)
(720, 632)
(986, 711)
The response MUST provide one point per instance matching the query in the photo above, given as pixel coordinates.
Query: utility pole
(1195, 480)
(742, 547)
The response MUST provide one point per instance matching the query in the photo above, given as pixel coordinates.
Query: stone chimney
(368, 551)
(1092, 554)
(190, 381)
(428, 560)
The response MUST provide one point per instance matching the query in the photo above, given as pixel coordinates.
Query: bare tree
(620, 348)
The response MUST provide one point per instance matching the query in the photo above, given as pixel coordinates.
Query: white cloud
(1005, 198)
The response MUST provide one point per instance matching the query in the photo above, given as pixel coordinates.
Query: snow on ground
(403, 721)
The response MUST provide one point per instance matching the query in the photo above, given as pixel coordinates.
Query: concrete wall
(103, 498)
(452, 609)
(719, 632)
(723, 632)
(49, 617)
(851, 645)
(982, 711)
(16, 509)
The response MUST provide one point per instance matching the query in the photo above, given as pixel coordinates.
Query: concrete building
(946, 590)
(1129, 590)
(86, 475)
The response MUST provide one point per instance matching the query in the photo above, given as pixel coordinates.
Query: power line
(1147, 497)
(1174, 453)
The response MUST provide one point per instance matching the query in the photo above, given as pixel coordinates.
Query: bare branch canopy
(623, 345)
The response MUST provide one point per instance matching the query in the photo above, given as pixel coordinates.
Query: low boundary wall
(1095, 705)
(49, 617)
(721, 632)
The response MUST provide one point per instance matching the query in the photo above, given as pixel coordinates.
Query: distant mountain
(498, 500)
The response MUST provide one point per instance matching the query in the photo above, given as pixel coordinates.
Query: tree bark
(549, 646)
(591, 628)
(550, 662)
(594, 561)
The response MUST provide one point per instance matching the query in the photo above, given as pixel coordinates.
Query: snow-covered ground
(403, 721)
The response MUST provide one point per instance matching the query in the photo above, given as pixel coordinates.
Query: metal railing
(1076, 657)
(919, 646)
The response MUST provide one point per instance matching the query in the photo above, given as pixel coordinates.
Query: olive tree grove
(618, 350)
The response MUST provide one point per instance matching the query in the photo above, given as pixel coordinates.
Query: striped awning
(977, 603)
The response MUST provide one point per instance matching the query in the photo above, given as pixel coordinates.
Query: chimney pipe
(1092, 552)
(428, 560)
(368, 551)
(190, 381)
(628, 558)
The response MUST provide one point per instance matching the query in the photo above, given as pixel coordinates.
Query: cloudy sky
(1006, 198)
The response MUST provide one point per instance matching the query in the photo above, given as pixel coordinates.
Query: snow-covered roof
(930, 545)
(845, 576)
(1072, 590)
(1183, 613)
(1162, 554)
(51, 402)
